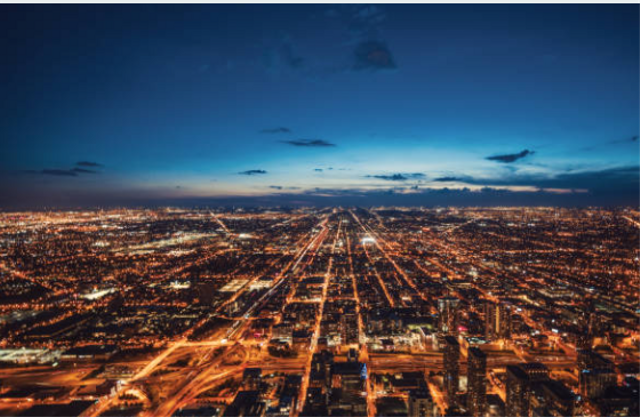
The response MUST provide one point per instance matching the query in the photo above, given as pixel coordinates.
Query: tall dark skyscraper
(451, 368)
(448, 315)
(559, 400)
(538, 376)
(477, 382)
(517, 404)
(596, 374)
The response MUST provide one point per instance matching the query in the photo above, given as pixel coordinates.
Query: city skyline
(319, 105)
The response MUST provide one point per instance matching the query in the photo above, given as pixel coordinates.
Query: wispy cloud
(509, 158)
(628, 140)
(309, 143)
(73, 172)
(280, 187)
(59, 172)
(253, 172)
(89, 164)
(399, 177)
(275, 130)
(84, 171)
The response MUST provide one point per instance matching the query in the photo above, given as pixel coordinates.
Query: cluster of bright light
(96, 294)
(180, 285)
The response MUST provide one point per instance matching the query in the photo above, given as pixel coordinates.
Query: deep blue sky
(281, 104)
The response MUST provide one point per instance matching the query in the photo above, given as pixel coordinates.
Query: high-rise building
(596, 374)
(421, 403)
(517, 404)
(246, 403)
(490, 319)
(621, 401)
(536, 371)
(451, 368)
(588, 359)
(448, 315)
(497, 320)
(594, 382)
(538, 375)
(559, 399)
(477, 382)
(530, 392)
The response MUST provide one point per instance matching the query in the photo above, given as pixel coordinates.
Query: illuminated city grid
(313, 312)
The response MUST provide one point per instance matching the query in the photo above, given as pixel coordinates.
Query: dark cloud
(509, 158)
(318, 170)
(253, 172)
(447, 179)
(276, 130)
(623, 180)
(374, 56)
(310, 143)
(73, 172)
(59, 172)
(89, 164)
(280, 187)
(398, 177)
(612, 180)
(84, 171)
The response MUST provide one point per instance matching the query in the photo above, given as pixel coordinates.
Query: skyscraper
(596, 374)
(451, 368)
(477, 382)
(538, 375)
(536, 371)
(517, 404)
(448, 315)
(497, 320)
(560, 400)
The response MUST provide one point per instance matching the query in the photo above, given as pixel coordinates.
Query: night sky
(319, 104)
